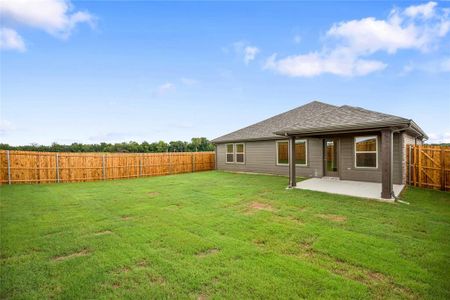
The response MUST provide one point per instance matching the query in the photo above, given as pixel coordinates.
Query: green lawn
(219, 235)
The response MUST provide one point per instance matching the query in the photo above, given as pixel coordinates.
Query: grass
(219, 235)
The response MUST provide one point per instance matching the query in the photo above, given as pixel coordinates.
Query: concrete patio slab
(334, 185)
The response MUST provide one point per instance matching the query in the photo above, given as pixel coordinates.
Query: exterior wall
(348, 171)
(260, 157)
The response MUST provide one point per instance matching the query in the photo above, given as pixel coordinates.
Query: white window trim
(236, 153)
(297, 142)
(226, 154)
(376, 151)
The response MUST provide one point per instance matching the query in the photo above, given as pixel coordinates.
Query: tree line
(195, 145)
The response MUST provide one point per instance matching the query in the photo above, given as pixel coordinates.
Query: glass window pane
(240, 158)
(229, 157)
(230, 148)
(331, 156)
(300, 153)
(366, 160)
(283, 153)
(240, 148)
(366, 143)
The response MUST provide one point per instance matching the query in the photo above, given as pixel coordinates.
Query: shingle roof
(340, 118)
(315, 117)
(266, 128)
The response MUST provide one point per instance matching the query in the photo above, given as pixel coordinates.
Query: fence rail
(46, 167)
(429, 167)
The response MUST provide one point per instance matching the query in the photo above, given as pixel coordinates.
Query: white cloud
(163, 89)
(245, 50)
(439, 138)
(11, 40)
(56, 17)
(313, 64)
(250, 53)
(53, 16)
(349, 43)
(424, 10)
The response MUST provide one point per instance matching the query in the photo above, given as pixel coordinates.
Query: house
(350, 143)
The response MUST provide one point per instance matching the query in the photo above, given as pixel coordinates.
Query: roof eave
(329, 129)
(215, 141)
(418, 129)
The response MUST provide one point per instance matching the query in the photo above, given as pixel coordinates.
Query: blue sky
(94, 71)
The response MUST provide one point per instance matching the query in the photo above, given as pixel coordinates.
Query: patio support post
(292, 176)
(386, 164)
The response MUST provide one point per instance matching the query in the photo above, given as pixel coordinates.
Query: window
(366, 152)
(300, 153)
(230, 153)
(240, 153)
(282, 153)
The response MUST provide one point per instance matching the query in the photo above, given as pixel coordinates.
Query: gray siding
(260, 157)
(350, 172)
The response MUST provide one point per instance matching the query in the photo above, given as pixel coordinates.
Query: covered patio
(382, 190)
(333, 185)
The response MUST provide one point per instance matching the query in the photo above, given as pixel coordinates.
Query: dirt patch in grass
(260, 242)
(153, 194)
(257, 206)
(83, 252)
(334, 218)
(142, 263)
(202, 297)
(121, 270)
(155, 279)
(306, 246)
(208, 252)
(116, 285)
(126, 218)
(103, 232)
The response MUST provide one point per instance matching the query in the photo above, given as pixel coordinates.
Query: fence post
(140, 165)
(443, 179)
(419, 152)
(57, 167)
(409, 165)
(170, 163)
(103, 167)
(193, 161)
(9, 166)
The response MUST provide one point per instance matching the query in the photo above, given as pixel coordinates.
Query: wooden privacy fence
(45, 167)
(429, 166)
